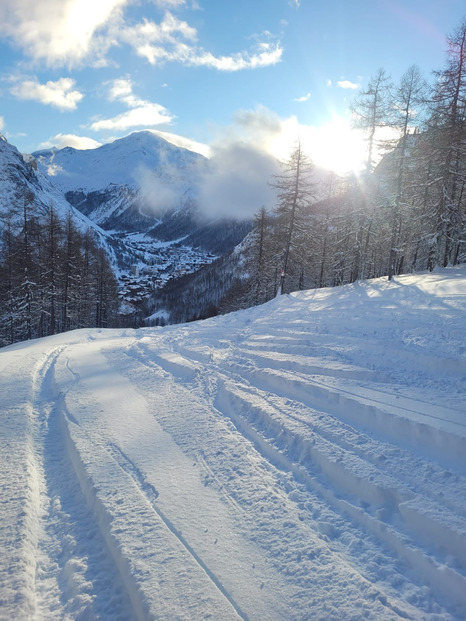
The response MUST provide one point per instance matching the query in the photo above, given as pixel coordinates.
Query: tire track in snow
(75, 576)
(384, 421)
(212, 477)
(273, 464)
(304, 392)
(149, 492)
(125, 463)
(339, 346)
(170, 547)
(411, 472)
(280, 444)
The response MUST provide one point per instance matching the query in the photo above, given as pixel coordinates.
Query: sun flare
(334, 146)
(338, 147)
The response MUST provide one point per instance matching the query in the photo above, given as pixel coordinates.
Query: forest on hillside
(407, 213)
(53, 278)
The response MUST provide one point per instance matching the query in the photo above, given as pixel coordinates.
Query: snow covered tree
(295, 191)
(371, 111)
(52, 278)
(27, 303)
(52, 237)
(105, 290)
(259, 254)
(8, 269)
(448, 125)
(408, 99)
(71, 275)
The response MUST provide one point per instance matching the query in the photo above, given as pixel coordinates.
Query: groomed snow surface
(300, 460)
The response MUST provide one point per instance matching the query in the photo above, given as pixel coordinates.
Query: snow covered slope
(301, 460)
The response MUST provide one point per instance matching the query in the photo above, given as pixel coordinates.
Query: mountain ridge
(115, 163)
(19, 175)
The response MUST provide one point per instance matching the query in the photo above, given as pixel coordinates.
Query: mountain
(121, 162)
(140, 183)
(21, 178)
(304, 459)
(143, 191)
(126, 185)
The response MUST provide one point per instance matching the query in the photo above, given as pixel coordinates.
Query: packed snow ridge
(300, 460)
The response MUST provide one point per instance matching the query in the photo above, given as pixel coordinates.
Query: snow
(18, 175)
(305, 459)
(126, 161)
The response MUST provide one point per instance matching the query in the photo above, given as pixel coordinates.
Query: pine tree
(8, 275)
(105, 290)
(294, 190)
(52, 236)
(27, 303)
(71, 275)
(408, 98)
(448, 124)
(371, 111)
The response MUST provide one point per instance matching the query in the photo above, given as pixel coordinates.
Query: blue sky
(83, 72)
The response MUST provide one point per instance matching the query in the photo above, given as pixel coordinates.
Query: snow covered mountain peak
(118, 163)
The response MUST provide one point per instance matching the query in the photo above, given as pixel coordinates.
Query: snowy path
(301, 460)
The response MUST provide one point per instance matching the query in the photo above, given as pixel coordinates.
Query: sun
(335, 146)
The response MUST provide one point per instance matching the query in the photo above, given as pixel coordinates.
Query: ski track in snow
(74, 575)
(300, 460)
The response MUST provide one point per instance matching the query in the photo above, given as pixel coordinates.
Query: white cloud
(149, 115)
(142, 113)
(59, 94)
(172, 4)
(156, 194)
(235, 62)
(236, 182)
(121, 89)
(154, 41)
(335, 146)
(173, 40)
(70, 140)
(347, 84)
(2, 123)
(303, 98)
(258, 127)
(78, 32)
(329, 82)
(245, 156)
(59, 32)
(185, 143)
